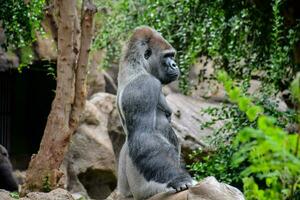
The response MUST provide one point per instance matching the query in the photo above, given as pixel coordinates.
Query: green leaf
(244, 103)
(265, 122)
(234, 94)
(253, 112)
(222, 76)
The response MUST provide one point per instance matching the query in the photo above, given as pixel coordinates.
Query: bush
(263, 157)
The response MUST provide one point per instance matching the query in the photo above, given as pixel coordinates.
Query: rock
(202, 83)
(7, 60)
(186, 121)
(4, 195)
(91, 115)
(116, 132)
(115, 195)
(255, 86)
(90, 162)
(207, 189)
(111, 84)
(171, 88)
(57, 194)
(111, 78)
(95, 79)
(78, 196)
(20, 176)
(45, 47)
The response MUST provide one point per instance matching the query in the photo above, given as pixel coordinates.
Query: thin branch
(88, 11)
(49, 18)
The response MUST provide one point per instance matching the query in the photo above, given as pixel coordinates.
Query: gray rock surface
(57, 194)
(4, 195)
(202, 83)
(95, 79)
(7, 61)
(90, 162)
(187, 118)
(207, 189)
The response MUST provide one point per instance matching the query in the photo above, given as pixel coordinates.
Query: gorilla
(7, 180)
(149, 161)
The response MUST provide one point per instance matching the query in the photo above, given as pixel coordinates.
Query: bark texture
(73, 41)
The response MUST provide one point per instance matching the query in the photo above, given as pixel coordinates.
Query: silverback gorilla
(7, 180)
(149, 161)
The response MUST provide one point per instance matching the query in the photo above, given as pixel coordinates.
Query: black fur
(149, 160)
(152, 143)
(7, 179)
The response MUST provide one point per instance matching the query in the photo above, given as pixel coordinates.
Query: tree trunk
(73, 49)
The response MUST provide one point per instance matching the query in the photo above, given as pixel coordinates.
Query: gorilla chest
(163, 126)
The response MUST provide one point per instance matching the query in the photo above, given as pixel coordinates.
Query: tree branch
(88, 11)
(49, 18)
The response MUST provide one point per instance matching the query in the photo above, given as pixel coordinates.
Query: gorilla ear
(147, 54)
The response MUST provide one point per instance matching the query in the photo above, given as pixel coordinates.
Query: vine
(241, 37)
(20, 20)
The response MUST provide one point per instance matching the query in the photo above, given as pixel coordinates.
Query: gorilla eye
(147, 54)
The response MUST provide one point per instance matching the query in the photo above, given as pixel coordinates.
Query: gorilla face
(162, 64)
(169, 67)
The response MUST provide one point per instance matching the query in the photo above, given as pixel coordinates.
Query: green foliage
(270, 153)
(14, 195)
(262, 156)
(235, 96)
(245, 39)
(20, 20)
(217, 165)
(46, 184)
(26, 57)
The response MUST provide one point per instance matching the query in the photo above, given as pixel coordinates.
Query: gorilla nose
(172, 64)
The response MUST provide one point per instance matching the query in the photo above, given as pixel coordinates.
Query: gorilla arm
(7, 180)
(153, 155)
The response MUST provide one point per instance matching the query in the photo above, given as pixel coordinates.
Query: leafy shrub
(263, 157)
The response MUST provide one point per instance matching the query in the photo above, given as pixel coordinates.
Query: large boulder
(90, 162)
(95, 79)
(45, 47)
(186, 121)
(7, 61)
(57, 194)
(207, 189)
(202, 81)
(4, 195)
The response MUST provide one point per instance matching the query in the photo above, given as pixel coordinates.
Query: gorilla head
(158, 55)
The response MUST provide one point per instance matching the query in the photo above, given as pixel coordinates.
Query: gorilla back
(149, 161)
(7, 180)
